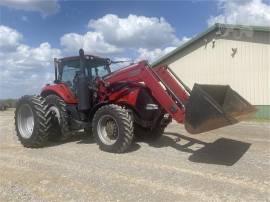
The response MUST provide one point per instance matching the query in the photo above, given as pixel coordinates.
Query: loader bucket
(214, 106)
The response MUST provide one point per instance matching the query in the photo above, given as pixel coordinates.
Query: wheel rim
(25, 121)
(56, 113)
(107, 130)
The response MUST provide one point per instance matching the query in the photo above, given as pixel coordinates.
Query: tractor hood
(125, 73)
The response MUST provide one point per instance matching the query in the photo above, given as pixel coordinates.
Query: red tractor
(135, 100)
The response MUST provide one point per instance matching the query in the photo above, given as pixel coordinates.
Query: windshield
(99, 71)
(93, 68)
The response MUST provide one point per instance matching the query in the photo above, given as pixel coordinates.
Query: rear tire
(113, 128)
(32, 121)
(60, 127)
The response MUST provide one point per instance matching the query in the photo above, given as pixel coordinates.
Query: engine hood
(124, 73)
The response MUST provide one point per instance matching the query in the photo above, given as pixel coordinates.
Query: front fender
(62, 91)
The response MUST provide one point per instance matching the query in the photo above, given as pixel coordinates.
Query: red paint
(141, 73)
(138, 75)
(168, 78)
(125, 96)
(61, 90)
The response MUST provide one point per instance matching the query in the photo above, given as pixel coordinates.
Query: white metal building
(227, 54)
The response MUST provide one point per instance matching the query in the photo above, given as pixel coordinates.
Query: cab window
(69, 71)
(99, 71)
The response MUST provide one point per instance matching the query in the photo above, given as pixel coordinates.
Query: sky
(33, 32)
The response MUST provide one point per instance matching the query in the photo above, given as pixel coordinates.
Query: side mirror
(109, 61)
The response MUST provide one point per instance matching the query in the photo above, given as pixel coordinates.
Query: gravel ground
(229, 164)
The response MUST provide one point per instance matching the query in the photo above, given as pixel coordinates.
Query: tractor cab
(79, 74)
(68, 69)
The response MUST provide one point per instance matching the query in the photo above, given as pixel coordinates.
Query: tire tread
(42, 121)
(127, 123)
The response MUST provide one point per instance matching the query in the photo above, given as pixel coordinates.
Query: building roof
(203, 34)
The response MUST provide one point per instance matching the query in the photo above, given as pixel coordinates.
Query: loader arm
(204, 108)
(164, 88)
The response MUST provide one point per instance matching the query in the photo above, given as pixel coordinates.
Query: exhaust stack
(83, 90)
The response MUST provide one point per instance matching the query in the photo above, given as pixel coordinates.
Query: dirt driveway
(230, 164)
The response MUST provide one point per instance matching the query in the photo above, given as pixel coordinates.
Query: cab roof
(64, 59)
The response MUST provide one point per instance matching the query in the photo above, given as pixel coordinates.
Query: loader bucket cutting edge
(214, 106)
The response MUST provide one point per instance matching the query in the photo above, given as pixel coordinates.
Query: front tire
(113, 128)
(32, 121)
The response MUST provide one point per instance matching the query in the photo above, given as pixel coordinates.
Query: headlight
(151, 107)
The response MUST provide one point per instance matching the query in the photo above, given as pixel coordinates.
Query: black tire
(37, 108)
(148, 134)
(60, 129)
(88, 131)
(124, 124)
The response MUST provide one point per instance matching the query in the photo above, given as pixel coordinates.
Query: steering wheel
(94, 84)
(69, 83)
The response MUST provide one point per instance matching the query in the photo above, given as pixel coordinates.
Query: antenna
(122, 61)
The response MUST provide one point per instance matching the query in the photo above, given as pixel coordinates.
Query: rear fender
(62, 91)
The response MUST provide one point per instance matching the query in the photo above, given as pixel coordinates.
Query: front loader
(116, 106)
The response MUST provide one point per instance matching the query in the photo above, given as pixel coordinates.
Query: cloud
(45, 7)
(9, 38)
(111, 35)
(24, 69)
(246, 12)
(135, 31)
(152, 55)
(125, 61)
(92, 42)
(30, 58)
